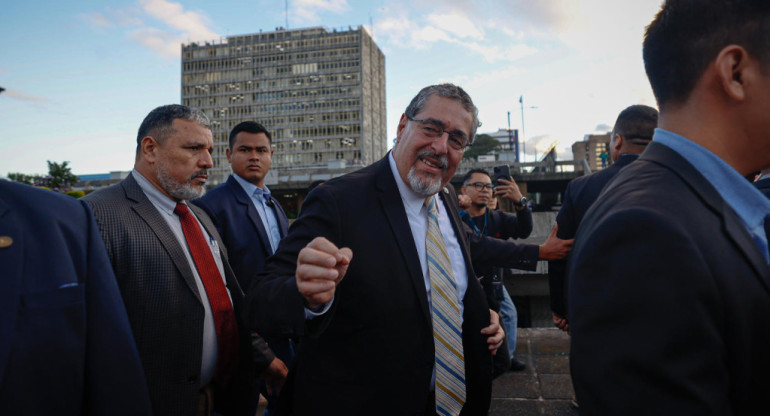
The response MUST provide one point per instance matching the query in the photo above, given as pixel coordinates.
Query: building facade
(320, 93)
(590, 150)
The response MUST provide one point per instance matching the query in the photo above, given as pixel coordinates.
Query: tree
(482, 145)
(60, 177)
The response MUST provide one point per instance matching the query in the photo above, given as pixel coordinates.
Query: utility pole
(523, 136)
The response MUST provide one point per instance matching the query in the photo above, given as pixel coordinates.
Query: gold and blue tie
(447, 326)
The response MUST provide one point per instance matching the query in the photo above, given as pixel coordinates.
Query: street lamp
(523, 138)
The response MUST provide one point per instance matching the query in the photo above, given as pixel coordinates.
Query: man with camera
(477, 190)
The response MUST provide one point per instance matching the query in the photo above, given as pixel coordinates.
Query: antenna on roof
(286, 5)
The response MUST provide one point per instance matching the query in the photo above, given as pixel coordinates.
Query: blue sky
(81, 75)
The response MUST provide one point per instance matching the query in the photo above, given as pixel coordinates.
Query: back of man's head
(636, 124)
(248, 127)
(687, 35)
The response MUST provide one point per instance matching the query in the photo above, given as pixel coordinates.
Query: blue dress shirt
(751, 206)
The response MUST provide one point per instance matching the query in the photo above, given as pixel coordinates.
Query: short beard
(426, 187)
(180, 191)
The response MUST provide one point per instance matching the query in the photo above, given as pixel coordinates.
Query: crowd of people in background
(385, 295)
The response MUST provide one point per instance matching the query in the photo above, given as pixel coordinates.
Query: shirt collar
(252, 189)
(743, 197)
(413, 202)
(155, 195)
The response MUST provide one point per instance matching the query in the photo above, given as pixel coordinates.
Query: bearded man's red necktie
(221, 306)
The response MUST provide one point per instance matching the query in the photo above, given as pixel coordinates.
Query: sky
(81, 75)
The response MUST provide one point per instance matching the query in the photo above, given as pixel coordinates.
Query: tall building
(320, 93)
(590, 148)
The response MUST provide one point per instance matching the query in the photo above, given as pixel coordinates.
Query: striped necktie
(447, 327)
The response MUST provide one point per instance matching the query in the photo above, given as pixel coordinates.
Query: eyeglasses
(434, 129)
(479, 186)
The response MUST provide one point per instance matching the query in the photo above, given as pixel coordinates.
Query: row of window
(248, 86)
(269, 72)
(251, 61)
(259, 43)
(317, 144)
(307, 159)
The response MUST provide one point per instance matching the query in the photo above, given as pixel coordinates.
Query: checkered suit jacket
(162, 299)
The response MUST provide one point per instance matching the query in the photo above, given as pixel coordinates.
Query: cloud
(174, 26)
(19, 95)
(160, 42)
(112, 17)
(96, 19)
(193, 25)
(306, 11)
(457, 24)
(602, 128)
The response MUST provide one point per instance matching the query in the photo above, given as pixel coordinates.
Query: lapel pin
(5, 241)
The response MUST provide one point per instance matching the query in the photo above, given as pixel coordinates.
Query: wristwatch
(522, 202)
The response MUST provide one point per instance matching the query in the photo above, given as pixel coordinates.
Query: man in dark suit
(371, 305)
(181, 295)
(65, 343)
(251, 223)
(669, 284)
(631, 134)
(477, 190)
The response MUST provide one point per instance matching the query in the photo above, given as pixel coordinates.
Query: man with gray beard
(376, 273)
(181, 295)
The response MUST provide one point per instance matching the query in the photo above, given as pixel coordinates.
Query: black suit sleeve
(274, 306)
(514, 226)
(646, 335)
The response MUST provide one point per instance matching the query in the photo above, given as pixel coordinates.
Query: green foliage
(22, 178)
(76, 194)
(482, 145)
(60, 177)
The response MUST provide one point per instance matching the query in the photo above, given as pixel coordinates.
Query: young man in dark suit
(181, 295)
(251, 223)
(477, 190)
(66, 346)
(356, 275)
(669, 284)
(631, 134)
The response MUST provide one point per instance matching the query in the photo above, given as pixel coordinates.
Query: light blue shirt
(744, 198)
(165, 207)
(260, 197)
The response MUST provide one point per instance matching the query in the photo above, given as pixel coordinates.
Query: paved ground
(545, 387)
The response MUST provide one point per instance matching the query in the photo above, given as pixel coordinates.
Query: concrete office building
(320, 93)
(590, 148)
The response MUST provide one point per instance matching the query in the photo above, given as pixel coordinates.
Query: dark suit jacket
(162, 299)
(669, 298)
(764, 186)
(241, 228)
(372, 352)
(581, 193)
(65, 343)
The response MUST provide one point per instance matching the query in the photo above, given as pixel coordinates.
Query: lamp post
(523, 138)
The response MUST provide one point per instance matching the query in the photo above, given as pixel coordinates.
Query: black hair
(159, 123)
(687, 34)
(472, 171)
(637, 124)
(248, 127)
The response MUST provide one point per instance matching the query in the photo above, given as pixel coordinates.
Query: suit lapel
(10, 284)
(251, 212)
(732, 225)
(393, 207)
(147, 211)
